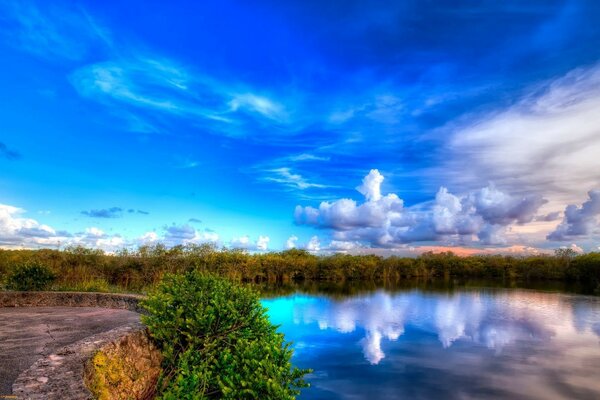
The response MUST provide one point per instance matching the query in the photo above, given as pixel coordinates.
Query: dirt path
(27, 334)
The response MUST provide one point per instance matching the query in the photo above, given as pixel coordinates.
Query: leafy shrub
(30, 276)
(217, 342)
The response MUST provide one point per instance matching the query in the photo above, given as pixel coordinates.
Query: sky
(388, 127)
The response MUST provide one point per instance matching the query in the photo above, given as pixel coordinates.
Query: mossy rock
(126, 370)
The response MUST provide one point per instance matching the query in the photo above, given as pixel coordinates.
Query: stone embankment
(71, 299)
(59, 345)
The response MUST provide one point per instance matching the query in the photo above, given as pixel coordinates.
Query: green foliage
(586, 268)
(30, 276)
(141, 269)
(217, 341)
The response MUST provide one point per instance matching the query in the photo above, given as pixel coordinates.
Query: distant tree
(565, 253)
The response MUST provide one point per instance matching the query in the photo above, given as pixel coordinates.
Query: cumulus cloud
(175, 235)
(342, 246)
(290, 243)
(148, 238)
(313, 244)
(113, 212)
(345, 214)
(186, 234)
(97, 238)
(384, 221)
(19, 232)
(16, 231)
(262, 243)
(179, 233)
(371, 185)
(575, 248)
(245, 243)
(579, 221)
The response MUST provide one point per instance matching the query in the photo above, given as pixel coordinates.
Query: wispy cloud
(186, 163)
(547, 143)
(259, 104)
(308, 157)
(141, 81)
(289, 179)
(150, 83)
(52, 32)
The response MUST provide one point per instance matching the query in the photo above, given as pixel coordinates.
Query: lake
(463, 343)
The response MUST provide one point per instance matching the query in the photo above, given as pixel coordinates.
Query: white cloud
(342, 246)
(245, 243)
(285, 176)
(174, 235)
(95, 232)
(547, 143)
(262, 243)
(242, 242)
(579, 221)
(371, 185)
(307, 157)
(258, 104)
(163, 85)
(313, 244)
(148, 238)
(16, 231)
(382, 221)
(290, 243)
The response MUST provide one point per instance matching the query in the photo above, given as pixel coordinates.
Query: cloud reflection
(491, 321)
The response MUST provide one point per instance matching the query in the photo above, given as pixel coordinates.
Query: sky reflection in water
(467, 344)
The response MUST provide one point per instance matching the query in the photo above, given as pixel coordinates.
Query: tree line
(80, 268)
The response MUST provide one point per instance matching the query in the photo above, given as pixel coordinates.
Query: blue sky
(474, 124)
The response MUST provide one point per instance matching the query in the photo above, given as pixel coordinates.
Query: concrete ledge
(71, 299)
(60, 376)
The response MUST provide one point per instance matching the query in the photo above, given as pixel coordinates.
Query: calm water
(463, 344)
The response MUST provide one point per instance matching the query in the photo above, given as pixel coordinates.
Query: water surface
(463, 344)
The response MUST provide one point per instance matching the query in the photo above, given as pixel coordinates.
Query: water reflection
(467, 344)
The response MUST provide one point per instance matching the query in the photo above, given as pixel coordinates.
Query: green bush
(30, 276)
(217, 342)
